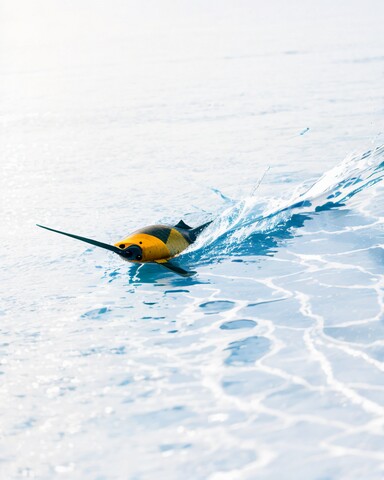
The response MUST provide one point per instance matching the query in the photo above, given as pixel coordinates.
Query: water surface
(267, 118)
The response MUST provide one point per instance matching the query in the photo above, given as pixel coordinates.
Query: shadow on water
(154, 275)
(257, 244)
(159, 276)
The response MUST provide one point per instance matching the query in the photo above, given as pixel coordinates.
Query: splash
(255, 226)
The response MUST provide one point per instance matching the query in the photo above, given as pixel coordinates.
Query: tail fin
(195, 232)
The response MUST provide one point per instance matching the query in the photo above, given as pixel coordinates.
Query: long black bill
(86, 240)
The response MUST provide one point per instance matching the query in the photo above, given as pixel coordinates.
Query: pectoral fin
(175, 268)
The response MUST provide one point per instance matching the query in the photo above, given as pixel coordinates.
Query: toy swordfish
(153, 244)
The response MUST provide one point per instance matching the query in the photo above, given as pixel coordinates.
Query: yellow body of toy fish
(156, 243)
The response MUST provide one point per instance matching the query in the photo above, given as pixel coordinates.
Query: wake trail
(251, 221)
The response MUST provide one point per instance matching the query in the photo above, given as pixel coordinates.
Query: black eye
(122, 245)
(141, 243)
(139, 257)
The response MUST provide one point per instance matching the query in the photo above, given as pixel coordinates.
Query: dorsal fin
(182, 224)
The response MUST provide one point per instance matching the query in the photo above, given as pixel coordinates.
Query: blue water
(268, 120)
